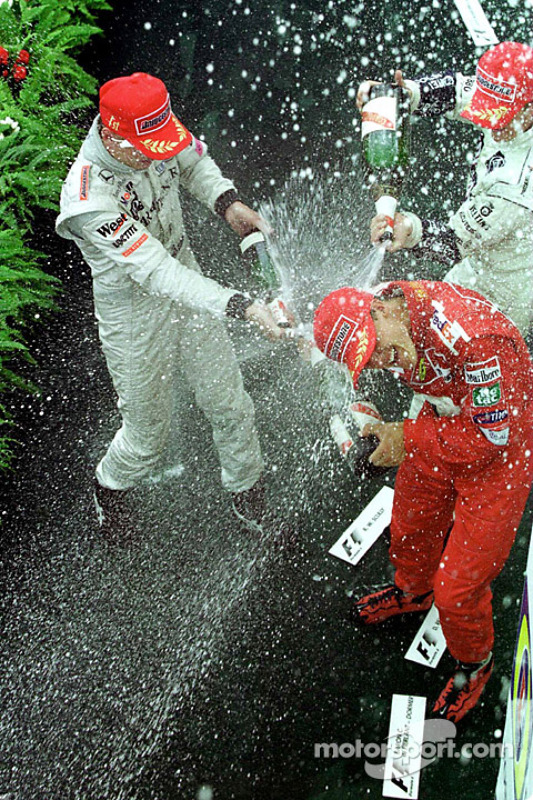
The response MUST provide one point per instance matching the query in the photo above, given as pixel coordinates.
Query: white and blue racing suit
(488, 242)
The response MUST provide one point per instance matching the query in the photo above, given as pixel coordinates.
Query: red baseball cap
(504, 85)
(137, 107)
(344, 330)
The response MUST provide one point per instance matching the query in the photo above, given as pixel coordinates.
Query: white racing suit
(153, 305)
(489, 240)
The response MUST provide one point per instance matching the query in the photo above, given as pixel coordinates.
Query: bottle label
(379, 114)
(387, 205)
(279, 312)
(340, 434)
(250, 240)
(364, 413)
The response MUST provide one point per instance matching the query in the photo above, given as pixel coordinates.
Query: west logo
(112, 228)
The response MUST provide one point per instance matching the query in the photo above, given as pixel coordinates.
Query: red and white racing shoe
(389, 601)
(463, 689)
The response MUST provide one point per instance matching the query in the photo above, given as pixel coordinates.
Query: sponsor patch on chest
(483, 396)
(499, 438)
(447, 330)
(490, 418)
(432, 366)
(483, 372)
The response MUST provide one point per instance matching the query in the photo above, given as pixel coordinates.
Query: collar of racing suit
(510, 180)
(522, 142)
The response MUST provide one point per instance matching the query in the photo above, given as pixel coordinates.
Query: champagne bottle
(262, 270)
(346, 409)
(386, 133)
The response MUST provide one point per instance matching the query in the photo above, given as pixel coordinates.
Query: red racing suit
(472, 469)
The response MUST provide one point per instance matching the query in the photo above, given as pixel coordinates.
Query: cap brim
(360, 349)
(486, 115)
(165, 143)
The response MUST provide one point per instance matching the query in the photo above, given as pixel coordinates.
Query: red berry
(4, 56)
(19, 73)
(23, 57)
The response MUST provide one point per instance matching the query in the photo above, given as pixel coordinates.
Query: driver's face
(125, 152)
(394, 345)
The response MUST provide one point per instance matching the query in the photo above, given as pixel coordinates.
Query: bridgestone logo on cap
(154, 121)
(501, 90)
(340, 337)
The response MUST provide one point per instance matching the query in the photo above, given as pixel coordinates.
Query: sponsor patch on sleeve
(198, 146)
(483, 372)
(135, 246)
(84, 182)
(125, 236)
(497, 437)
(111, 228)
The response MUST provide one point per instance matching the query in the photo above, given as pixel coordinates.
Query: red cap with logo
(504, 85)
(137, 107)
(344, 330)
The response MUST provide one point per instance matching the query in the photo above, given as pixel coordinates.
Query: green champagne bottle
(263, 272)
(386, 135)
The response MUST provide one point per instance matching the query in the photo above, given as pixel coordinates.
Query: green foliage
(39, 135)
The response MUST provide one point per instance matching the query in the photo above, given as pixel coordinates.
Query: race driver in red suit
(466, 462)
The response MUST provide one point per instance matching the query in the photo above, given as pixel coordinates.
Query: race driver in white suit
(121, 205)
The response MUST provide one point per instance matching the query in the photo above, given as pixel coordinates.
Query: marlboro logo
(483, 372)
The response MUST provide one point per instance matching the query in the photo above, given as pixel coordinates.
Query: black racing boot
(115, 515)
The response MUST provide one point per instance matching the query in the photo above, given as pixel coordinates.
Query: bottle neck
(253, 238)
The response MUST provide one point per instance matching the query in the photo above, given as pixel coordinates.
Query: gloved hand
(364, 88)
